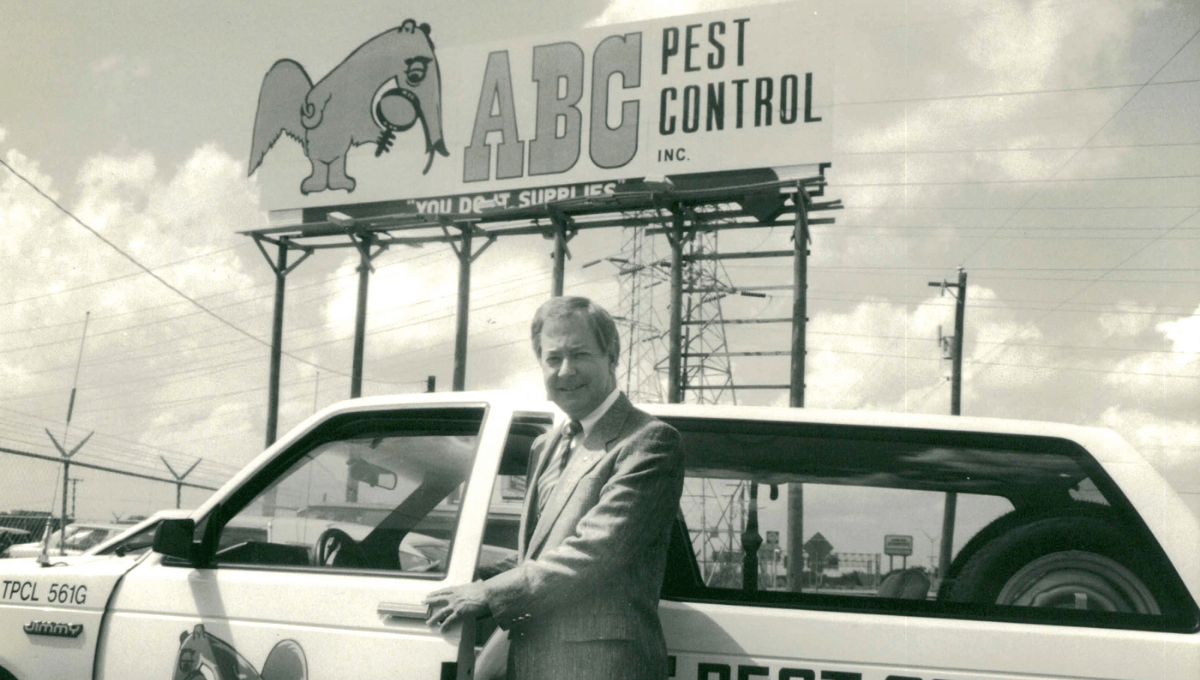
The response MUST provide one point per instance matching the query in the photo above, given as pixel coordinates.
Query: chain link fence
(32, 494)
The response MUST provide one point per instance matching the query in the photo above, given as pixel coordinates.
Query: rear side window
(912, 522)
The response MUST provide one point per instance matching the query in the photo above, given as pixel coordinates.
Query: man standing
(582, 600)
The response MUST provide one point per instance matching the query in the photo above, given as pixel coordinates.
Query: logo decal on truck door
(204, 656)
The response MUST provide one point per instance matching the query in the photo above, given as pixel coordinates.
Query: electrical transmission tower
(643, 286)
(678, 347)
(707, 375)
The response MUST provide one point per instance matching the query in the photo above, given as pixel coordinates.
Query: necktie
(554, 466)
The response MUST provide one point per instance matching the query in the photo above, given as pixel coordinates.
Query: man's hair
(603, 328)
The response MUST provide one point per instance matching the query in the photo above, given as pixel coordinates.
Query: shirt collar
(589, 421)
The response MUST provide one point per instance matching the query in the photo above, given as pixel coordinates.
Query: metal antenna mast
(43, 559)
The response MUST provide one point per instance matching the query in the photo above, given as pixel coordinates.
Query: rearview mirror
(173, 538)
(371, 474)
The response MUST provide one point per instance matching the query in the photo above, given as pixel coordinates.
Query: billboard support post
(280, 269)
(362, 241)
(563, 232)
(279, 265)
(720, 201)
(674, 357)
(462, 250)
(800, 239)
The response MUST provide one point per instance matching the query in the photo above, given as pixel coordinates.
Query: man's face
(577, 373)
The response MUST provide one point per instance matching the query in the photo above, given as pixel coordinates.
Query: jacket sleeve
(636, 505)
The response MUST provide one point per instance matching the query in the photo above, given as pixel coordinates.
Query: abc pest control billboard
(530, 120)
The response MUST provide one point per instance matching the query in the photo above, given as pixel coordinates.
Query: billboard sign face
(518, 122)
(895, 544)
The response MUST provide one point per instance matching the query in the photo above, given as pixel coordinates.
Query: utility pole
(795, 491)
(954, 346)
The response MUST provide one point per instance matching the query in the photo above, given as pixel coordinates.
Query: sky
(1050, 148)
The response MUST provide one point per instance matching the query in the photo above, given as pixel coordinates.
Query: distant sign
(894, 544)
(402, 120)
(818, 549)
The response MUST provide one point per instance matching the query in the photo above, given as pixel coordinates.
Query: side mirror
(173, 538)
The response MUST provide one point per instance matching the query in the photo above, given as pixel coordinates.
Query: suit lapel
(599, 442)
(529, 511)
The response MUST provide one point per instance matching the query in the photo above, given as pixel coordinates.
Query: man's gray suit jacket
(582, 601)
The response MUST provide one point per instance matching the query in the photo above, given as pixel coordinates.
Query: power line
(1022, 93)
(1036, 208)
(111, 279)
(998, 149)
(149, 271)
(1002, 346)
(229, 305)
(1042, 181)
(1089, 140)
(208, 367)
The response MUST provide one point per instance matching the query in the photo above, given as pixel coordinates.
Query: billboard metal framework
(681, 211)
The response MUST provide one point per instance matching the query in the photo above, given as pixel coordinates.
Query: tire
(998, 527)
(1076, 557)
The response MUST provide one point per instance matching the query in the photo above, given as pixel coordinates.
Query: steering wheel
(335, 548)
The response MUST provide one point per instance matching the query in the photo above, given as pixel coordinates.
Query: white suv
(808, 545)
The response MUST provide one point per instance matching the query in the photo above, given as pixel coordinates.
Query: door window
(916, 523)
(500, 535)
(379, 494)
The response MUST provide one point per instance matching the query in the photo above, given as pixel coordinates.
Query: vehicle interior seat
(905, 584)
(683, 573)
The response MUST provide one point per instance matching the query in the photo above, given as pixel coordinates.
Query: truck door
(318, 564)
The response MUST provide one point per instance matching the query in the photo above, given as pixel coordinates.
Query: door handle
(400, 610)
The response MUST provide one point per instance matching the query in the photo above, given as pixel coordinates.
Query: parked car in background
(136, 538)
(9, 536)
(74, 540)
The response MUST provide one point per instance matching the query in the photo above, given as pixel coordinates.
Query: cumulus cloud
(871, 356)
(1167, 377)
(622, 11)
(1170, 445)
(119, 65)
(148, 351)
(1130, 319)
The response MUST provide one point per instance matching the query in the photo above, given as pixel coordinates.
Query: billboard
(895, 544)
(529, 120)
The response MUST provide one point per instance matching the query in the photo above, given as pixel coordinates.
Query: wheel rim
(1078, 580)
